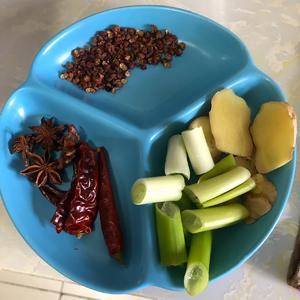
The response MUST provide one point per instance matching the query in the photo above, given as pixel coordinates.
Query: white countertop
(270, 29)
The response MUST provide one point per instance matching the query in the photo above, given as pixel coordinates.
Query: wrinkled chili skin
(61, 212)
(84, 206)
(107, 209)
(64, 204)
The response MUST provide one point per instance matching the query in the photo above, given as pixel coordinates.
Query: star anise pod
(42, 170)
(47, 134)
(23, 144)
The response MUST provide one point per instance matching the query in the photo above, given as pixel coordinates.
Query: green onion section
(216, 186)
(224, 165)
(197, 272)
(183, 204)
(197, 149)
(176, 159)
(198, 220)
(243, 188)
(157, 189)
(170, 234)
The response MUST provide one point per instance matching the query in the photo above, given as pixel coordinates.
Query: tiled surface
(68, 297)
(30, 281)
(22, 286)
(16, 255)
(74, 289)
(271, 31)
(14, 292)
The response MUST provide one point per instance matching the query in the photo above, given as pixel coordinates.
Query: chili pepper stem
(80, 235)
(119, 258)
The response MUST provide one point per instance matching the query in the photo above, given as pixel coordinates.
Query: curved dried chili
(52, 193)
(83, 205)
(62, 209)
(63, 205)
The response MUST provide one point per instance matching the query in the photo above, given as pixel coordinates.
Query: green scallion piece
(239, 190)
(197, 272)
(170, 234)
(222, 166)
(198, 220)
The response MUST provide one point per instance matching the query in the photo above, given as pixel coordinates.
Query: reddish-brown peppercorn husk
(106, 61)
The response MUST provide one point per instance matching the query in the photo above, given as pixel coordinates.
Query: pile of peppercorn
(106, 61)
(45, 153)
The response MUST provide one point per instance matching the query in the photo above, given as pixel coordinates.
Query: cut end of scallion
(157, 189)
(170, 234)
(168, 208)
(138, 192)
(190, 221)
(196, 279)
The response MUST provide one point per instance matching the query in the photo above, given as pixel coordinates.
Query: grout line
(61, 290)
(131, 294)
(29, 287)
(79, 297)
(142, 296)
(88, 298)
(34, 275)
(61, 293)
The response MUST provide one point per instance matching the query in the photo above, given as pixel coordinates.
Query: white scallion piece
(157, 189)
(176, 159)
(198, 151)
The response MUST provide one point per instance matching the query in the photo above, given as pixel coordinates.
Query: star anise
(47, 134)
(23, 144)
(42, 170)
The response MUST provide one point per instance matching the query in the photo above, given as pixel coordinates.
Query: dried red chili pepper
(63, 205)
(69, 143)
(61, 213)
(107, 209)
(52, 193)
(83, 205)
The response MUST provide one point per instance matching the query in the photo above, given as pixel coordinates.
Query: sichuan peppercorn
(106, 61)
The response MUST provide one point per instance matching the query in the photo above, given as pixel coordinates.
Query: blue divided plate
(134, 124)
